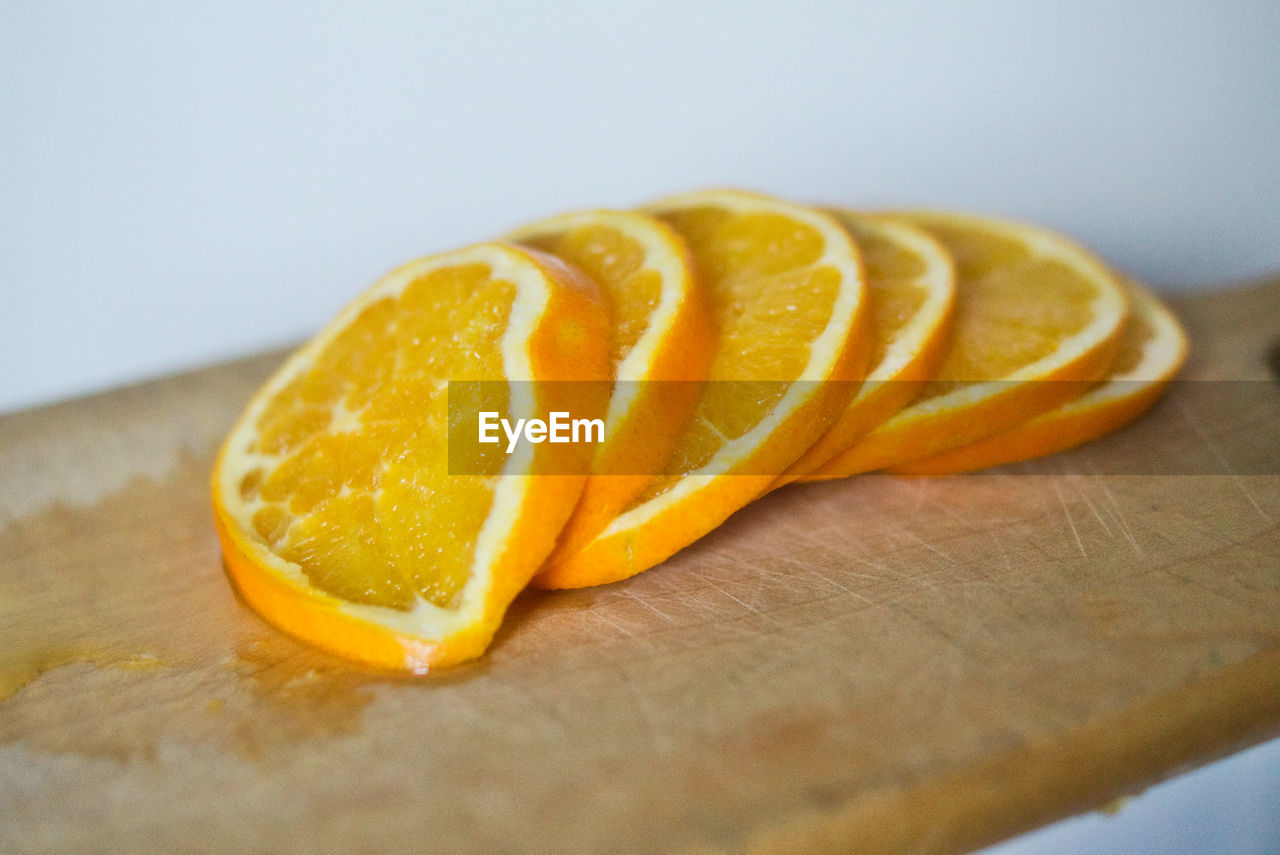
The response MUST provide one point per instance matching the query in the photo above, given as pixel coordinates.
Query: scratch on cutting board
(944, 504)
(1216, 451)
(842, 588)
(631, 596)
(1004, 552)
(1117, 514)
(1083, 493)
(699, 605)
(639, 704)
(1057, 489)
(603, 615)
(742, 603)
(885, 571)
(927, 545)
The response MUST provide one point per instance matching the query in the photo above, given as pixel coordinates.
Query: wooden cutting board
(881, 664)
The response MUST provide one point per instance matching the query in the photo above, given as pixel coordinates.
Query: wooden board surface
(881, 664)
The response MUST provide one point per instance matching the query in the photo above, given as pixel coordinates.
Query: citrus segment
(339, 520)
(659, 348)
(1036, 321)
(911, 287)
(785, 289)
(1152, 349)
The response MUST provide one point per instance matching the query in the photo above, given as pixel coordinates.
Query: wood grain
(881, 664)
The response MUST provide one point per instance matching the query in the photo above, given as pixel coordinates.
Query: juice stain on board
(119, 631)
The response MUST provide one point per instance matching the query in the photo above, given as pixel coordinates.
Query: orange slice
(786, 292)
(911, 282)
(1036, 320)
(1152, 349)
(339, 520)
(660, 332)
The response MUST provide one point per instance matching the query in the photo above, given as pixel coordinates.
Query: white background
(184, 182)
(181, 183)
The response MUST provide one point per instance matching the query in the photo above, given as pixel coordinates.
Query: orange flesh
(1106, 407)
(353, 488)
(616, 262)
(891, 276)
(995, 306)
(1138, 331)
(749, 264)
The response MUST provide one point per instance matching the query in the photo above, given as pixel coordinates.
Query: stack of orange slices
(727, 343)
